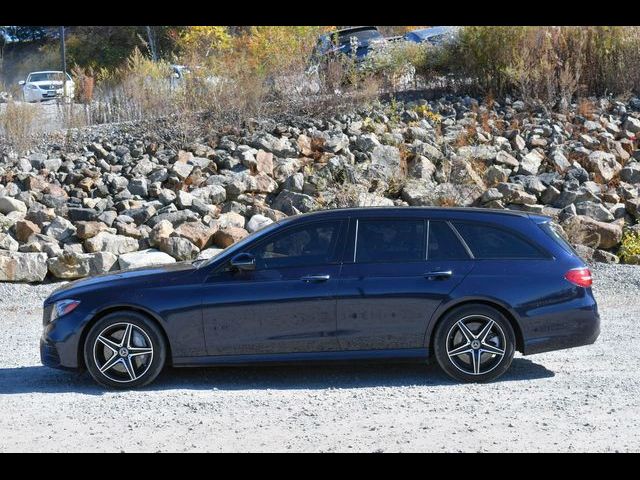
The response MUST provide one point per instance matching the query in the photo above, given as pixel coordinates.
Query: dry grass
(17, 122)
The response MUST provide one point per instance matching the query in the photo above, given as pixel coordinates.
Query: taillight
(580, 277)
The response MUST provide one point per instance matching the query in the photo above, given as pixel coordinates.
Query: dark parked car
(435, 35)
(332, 44)
(466, 287)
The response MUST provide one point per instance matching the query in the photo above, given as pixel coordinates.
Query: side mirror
(21, 82)
(244, 261)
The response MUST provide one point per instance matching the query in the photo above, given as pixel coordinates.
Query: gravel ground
(583, 399)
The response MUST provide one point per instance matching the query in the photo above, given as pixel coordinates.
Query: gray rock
(530, 163)
(632, 124)
(182, 170)
(208, 253)
(7, 242)
(8, 205)
(594, 210)
(23, 267)
(504, 158)
(179, 248)
(630, 172)
(139, 186)
(144, 258)
(60, 229)
(108, 242)
(292, 203)
(257, 222)
(387, 159)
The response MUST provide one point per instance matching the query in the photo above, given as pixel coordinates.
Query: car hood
(143, 276)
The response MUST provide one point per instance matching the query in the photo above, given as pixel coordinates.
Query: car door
(395, 274)
(287, 304)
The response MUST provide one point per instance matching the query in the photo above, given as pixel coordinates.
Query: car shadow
(40, 379)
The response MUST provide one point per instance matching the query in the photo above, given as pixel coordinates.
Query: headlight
(31, 86)
(62, 308)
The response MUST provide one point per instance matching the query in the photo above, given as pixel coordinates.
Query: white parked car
(46, 85)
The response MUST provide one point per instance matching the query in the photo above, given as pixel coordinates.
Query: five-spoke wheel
(474, 343)
(124, 349)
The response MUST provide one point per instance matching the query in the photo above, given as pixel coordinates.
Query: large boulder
(24, 229)
(603, 165)
(71, 265)
(22, 267)
(144, 258)
(293, 203)
(530, 163)
(257, 222)
(196, 233)
(7, 242)
(9, 204)
(228, 236)
(179, 248)
(109, 242)
(386, 159)
(584, 230)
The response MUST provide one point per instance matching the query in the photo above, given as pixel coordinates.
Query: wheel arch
(122, 308)
(490, 302)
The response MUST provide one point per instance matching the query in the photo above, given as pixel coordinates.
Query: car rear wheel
(124, 350)
(474, 343)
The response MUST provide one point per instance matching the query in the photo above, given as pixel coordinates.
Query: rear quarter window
(558, 235)
(492, 242)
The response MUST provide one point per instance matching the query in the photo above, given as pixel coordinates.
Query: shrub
(630, 246)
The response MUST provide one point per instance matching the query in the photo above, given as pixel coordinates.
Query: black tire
(135, 365)
(472, 355)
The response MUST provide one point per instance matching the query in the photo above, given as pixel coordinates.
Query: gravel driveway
(584, 399)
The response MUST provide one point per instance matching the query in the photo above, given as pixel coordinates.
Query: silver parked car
(46, 85)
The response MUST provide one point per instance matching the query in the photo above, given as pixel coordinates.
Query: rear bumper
(574, 328)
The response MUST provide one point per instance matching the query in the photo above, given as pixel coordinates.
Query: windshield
(363, 37)
(238, 246)
(46, 77)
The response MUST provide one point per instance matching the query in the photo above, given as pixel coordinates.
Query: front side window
(390, 240)
(312, 244)
(444, 244)
(486, 241)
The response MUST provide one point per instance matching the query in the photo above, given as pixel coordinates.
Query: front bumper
(60, 340)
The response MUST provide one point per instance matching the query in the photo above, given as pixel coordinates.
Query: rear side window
(555, 231)
(390, 240)
(486, 241)
(443, 243)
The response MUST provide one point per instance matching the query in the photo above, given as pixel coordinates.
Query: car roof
(46, 71)
(432, 31)
(459, 212)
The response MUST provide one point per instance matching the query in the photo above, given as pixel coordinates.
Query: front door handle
(438, 274)
(315, 278)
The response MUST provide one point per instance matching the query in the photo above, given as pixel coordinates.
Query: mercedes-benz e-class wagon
(464, 287)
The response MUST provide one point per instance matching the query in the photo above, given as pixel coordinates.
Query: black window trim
(458, 236)
(545, 255)
(464, 243)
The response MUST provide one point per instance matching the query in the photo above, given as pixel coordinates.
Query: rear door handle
(438, 274)
(315, 278)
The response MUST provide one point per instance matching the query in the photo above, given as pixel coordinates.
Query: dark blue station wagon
(466, 287)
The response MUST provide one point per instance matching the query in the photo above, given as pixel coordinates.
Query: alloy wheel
(123, 352)
(476, 344)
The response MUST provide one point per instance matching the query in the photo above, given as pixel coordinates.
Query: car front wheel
(124, 350)
(474, 343)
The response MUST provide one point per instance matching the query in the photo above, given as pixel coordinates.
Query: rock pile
(121, 200)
